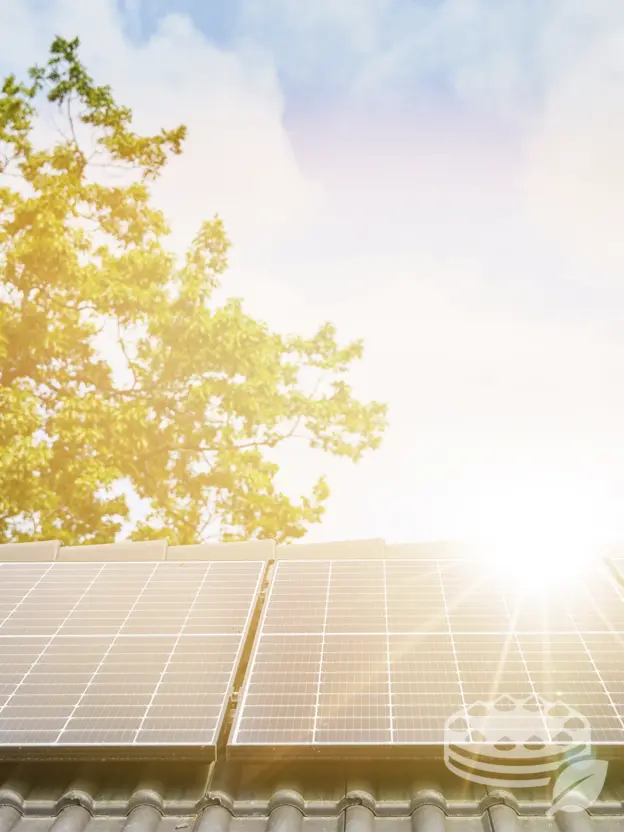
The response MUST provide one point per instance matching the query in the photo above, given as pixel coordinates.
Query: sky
(443, 178)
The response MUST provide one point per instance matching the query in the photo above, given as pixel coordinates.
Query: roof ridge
(266, 550)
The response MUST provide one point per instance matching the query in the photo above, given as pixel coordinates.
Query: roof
(279, 795)
(315, 797)
(159, 550)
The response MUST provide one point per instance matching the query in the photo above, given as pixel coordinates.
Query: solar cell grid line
(50, 640)
(190, 703)
(356, 598)
(101, 662)
(86, 687)
(176, 670)
(538, 611)
(280, 703)
(401, 677)
(490, 666)
(162, 605)
(50, 603)
(354, 699)
(563, 673)
(320, 667)
(473, 599)
(389, 666)
(27, 594)
(598, 602)
(415, 597)
(281, 644)
(309, 580)
(602, 681)
(425, 687)
(607, 650)
(14, 590)
(453, 648)
(16, 656)
(225, 608)
(536, 698)
(107, 605)
(177, 641)
(129, 669)
(38, 710)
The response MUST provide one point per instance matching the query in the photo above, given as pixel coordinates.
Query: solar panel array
(384, 652)
(375, 653)
(120, 654)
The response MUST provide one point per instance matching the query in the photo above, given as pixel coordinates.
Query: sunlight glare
(540, 551)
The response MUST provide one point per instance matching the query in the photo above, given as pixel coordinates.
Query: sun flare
(539, 551)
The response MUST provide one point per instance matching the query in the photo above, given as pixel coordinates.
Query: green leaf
(206, 393)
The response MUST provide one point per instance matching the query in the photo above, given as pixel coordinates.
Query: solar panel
(377, 655)
(120, 655)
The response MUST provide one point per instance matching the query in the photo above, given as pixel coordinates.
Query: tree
(205, 391)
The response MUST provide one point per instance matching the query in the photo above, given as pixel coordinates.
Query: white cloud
(238, 159)
(433, 238)
(575, 161)
(553, 72)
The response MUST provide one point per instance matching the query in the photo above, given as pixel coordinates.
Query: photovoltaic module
(378, 654)
(120, 655)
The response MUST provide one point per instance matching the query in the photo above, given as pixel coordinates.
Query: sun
(539, 523)
(538, 566)
(539, 550)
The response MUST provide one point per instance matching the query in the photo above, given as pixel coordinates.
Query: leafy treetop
(205, 391)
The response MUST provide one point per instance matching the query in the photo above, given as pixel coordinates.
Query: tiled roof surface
(315, 797)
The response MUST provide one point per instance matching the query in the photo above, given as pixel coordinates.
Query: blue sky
(322, 50)
(442, 178)
(218, 21)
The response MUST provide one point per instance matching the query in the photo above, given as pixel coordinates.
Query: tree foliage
(204, 392)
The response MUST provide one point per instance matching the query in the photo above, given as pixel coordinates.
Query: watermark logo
(524, 743)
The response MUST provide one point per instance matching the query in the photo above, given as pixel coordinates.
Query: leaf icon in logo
(578, 785)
